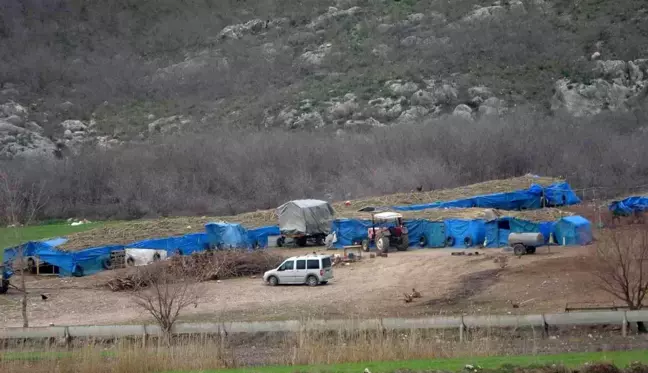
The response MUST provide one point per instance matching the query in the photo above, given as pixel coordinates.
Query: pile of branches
(198, 267)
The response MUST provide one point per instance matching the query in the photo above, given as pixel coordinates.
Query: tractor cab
(387, 231)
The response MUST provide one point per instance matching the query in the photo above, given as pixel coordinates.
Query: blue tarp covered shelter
(434, 232)
(85, 262)
(227, 235)
(183, 245)
(629, 206)
(258, 237)
(558, 194)
(497, 231)
(573, 230)
(349, 231)
(462, 231)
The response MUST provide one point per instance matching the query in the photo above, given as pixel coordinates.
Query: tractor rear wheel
(404, 245)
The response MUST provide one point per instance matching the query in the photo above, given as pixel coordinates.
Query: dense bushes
(231, 171)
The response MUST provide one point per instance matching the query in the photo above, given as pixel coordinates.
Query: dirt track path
(370, 288)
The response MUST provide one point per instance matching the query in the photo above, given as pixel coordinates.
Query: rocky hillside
(101, 73)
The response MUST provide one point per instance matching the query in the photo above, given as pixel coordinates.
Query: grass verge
(618, 358)
(10, 237)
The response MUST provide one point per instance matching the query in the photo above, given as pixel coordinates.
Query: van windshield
(326, 262)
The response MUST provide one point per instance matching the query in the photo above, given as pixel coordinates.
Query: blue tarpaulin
(349, 231)
(629, 206)
(183, 245)
(466, 233)
(573, 230)
(227, 235)
(558, 194)
(258, 237)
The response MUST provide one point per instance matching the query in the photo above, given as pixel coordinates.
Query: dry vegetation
(202, 353)
(206, 266)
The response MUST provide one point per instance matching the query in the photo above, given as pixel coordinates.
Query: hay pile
(547, 214)
(487, 187)
(203, 266)
(127, 232)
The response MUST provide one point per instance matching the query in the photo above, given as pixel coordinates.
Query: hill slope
(466, 91)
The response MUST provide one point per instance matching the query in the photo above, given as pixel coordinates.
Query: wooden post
(624, 326)
(461, 330)
(37, 266)
(144, 337)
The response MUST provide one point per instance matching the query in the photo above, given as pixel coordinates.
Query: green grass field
(618, 358)
(10, 237)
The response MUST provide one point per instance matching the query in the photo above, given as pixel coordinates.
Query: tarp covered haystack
(629, 206)
(305, 216)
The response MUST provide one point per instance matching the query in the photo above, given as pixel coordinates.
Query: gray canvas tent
(305, 217)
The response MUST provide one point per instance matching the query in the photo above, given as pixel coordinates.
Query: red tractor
(387, 230)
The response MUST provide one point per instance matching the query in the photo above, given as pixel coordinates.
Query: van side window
(313, 263)
(301, 264)
(289, 265)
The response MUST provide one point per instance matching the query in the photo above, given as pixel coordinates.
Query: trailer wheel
(519, 249)
(301, 241)
(107, 264)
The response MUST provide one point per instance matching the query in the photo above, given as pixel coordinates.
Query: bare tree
(22, 202)
(164, 290)
(622, 266)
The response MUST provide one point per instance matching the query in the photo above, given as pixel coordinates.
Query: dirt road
(372, 287)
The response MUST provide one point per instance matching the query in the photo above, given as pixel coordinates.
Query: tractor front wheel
(382, 244)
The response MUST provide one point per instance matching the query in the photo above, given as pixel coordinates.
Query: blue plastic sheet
(466, 233)
(349, 231)
(629, 206)
(558, 194)
(258, 237)
(183, 245)
(227, 236)
(573, 230)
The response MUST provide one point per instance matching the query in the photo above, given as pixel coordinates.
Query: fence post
(545, 328)
(68, 338)
(462, 327)
(624, 326)
(144, 336)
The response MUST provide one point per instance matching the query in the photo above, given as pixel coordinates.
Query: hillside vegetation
(146, 108)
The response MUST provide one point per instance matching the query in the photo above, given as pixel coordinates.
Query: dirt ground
(543, 282)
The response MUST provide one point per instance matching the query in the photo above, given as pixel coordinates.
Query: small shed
(573, 230)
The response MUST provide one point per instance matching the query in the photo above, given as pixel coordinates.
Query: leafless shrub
(622, 266)
(165, 291)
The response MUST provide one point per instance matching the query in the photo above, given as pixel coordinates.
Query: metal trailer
(525, 243)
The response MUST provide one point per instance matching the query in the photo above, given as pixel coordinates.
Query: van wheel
(312, 281)
(273, 281)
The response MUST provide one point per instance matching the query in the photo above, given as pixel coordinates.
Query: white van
(309, 269)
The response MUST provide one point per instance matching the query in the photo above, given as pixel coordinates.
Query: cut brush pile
(203, 266)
